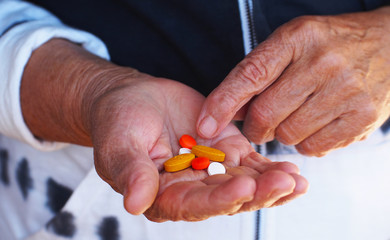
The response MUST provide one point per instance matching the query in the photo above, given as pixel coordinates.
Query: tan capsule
(179, 162)
(209, 152)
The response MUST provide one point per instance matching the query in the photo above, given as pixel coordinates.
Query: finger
(235, 146)
(337, 134)
(313, 115)
(270, 187)
(301, 187)
(242, 170)
(195, 201)
(329, 101)
(278, 101)
(250, 77)
(241, 113)
(217, 178)
(262, 164)
(162, 150)
(139, 180)
(259, 164)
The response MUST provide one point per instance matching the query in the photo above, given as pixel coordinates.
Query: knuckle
(310, 147)
(364, 123)
(303, 32)
(252, 137)
(251, 70)
(286, 134)
(284, 138)
(332, 60)
(305, 22)
(371, 115)
(351, 86)
(263, 116)
(305, 26)
(260, 136)
(259, 125)
(364, 117)
(308, 23)
(224, 99)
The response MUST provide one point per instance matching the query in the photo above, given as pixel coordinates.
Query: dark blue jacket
(196, 42)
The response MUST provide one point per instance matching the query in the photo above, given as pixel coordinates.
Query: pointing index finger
(251, 76)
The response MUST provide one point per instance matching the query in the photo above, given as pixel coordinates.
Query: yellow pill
(209, 152)
(179, 162)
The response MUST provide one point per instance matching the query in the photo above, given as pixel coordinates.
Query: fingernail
(208, 127)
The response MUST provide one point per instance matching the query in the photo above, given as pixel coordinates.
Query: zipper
(250, 42)
(258, 222)
(259, 214)
(247, 25)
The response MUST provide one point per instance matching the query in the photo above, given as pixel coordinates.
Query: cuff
(24, 28)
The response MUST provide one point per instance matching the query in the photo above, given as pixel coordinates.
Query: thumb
(250, 77)
(141, 183)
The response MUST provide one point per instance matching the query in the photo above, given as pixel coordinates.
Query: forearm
(59, 85)
(25, 27)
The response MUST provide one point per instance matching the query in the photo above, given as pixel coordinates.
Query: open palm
(135, 128)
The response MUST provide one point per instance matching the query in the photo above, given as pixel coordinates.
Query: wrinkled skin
(140, 130)
(133, 121)
(318, 82)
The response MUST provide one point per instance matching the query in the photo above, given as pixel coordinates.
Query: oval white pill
(216, 168)
(184, 150)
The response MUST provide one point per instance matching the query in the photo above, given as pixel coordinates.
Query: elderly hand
(318, 82)
(134, 121)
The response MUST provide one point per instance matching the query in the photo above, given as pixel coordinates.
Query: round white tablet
(216, 168)
(184, 150)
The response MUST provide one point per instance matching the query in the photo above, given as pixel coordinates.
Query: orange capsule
(179, 162)
(186, 141)
(200, 163)
(211, 153)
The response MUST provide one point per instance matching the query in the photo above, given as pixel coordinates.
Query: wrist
(104, 80)
(60, 83)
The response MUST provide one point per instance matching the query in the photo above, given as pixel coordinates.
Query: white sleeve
(23, 28)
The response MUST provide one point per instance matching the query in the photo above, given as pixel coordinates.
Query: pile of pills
(196, 156)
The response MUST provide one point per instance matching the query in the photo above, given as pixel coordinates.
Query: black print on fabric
(4, 158)
(109, 229)
(386, 126)
(62, 224)
(23, 177)
(57, 195)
